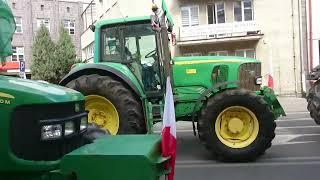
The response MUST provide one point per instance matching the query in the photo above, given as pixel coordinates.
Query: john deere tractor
(124, 88)
(44, 133)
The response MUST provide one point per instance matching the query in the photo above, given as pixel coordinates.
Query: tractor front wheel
(236, 125)
(111, 105)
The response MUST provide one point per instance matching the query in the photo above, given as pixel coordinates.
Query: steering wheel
(151, 54)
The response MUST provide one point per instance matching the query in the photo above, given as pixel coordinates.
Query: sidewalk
(293, 104)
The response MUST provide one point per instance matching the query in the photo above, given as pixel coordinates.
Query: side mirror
(92, 27)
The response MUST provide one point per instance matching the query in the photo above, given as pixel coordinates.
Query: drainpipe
(294, 48)
(310, 36)
(301, 50)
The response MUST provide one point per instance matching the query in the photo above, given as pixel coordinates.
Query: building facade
(313, 8)
(30, 15)
(269, 30)
(272, 31)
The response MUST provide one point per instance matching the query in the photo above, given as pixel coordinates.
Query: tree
(65, 53)
(43, 49)
(51, 62)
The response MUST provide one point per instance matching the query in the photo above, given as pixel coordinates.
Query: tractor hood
(21, 91)
(211, 59)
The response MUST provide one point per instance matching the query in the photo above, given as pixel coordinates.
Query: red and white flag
(270, 81)
(169, 135)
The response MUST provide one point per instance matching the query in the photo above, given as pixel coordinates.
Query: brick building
(29, 15)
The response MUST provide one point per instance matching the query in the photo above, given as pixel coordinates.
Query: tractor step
(157, 111)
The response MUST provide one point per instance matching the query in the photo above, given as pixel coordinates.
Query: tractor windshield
(134, 44)
(130, 43)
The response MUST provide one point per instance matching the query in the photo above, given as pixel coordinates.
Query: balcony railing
(211, 31)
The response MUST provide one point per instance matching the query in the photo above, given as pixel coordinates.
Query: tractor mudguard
(101, 69)
(271, 99)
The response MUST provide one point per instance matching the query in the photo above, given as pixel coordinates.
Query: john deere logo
(5, 98)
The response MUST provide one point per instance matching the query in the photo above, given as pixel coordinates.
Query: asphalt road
(295, 154)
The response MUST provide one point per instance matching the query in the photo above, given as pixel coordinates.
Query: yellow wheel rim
(102, 113)
(237, 127)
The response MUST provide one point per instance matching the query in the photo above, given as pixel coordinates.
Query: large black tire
(314, 104)
(127, 104)
(236, 97)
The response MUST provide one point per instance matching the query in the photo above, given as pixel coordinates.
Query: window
(192, 54)
(124, 44)
(42, 7)
(216, 13)
(68, 9)
(13, 5)
(18, 54)
(18, 24)
(248, 53)
(220, 12)
(89, 51)
(69, 25)
(222, 53)
(190, 16)
(211, 14)
(243, 10)
(218, 53)
(213, 53)
(45, 22)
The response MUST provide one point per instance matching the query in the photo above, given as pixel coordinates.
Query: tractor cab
(137, 46)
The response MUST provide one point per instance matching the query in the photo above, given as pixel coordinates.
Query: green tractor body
(45, 135)
(124, 88)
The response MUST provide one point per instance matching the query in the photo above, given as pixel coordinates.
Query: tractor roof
(126, 20)
(121, 20)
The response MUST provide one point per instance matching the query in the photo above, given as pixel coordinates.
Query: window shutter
(185, 17)
(194, 11)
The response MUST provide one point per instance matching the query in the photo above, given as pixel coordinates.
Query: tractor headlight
(51, 132)
(69, 128)
(258, 80)
(83, 123)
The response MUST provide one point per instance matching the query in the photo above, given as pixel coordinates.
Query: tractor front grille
(25, 131)
(247, 75)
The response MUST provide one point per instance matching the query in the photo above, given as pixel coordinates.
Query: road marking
(299, 112)
(265, 160)
(298, 119)
(297, 127)
(277, 128)
(298, 134)
(247, 165)
(297, 142)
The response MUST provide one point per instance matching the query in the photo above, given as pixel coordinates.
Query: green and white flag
(7, 29)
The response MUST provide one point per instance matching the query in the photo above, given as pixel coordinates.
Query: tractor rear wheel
(112, 106)
(236, 125)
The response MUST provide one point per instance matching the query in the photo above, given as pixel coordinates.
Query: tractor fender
(213, 90)
(87, 69)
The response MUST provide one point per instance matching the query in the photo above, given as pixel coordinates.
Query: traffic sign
(22, 66)
(22, 69)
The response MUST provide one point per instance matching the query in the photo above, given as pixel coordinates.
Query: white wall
(315, 30)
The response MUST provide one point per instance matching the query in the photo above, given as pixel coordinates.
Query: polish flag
(270, 81)
(169, 135)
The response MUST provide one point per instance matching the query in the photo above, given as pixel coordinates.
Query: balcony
(216, 33)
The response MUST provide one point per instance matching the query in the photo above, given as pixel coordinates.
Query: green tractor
(124, 88)
(45, 135)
